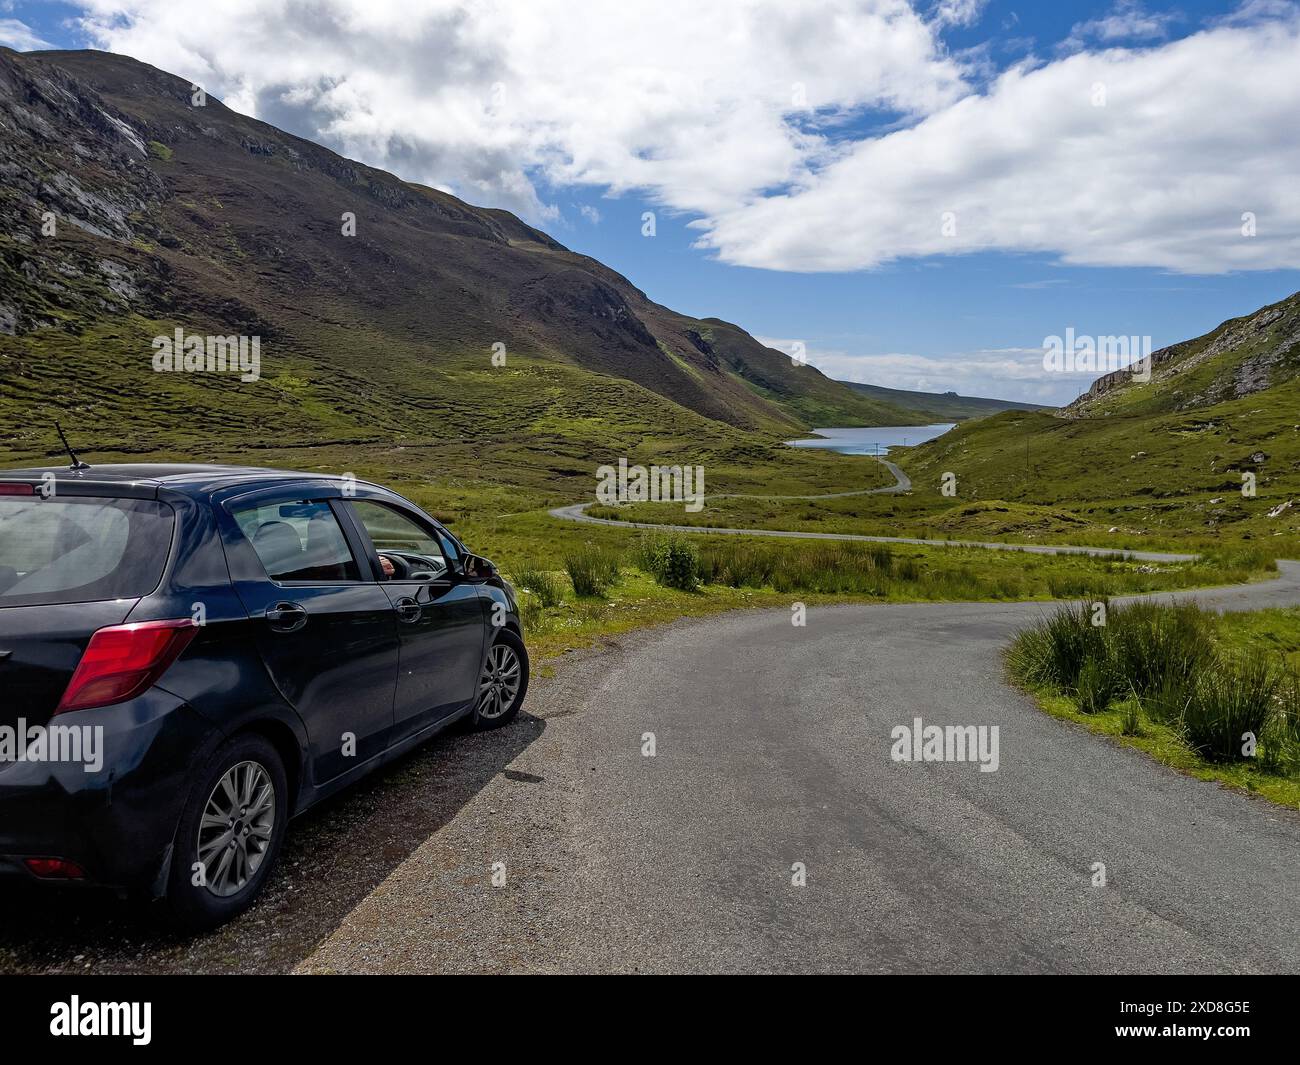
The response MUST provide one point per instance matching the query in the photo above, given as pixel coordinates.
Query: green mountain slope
(1242, 357)
(1179, 455)
(168, 215)
(941, 406)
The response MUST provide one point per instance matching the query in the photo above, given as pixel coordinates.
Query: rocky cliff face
(70, 162)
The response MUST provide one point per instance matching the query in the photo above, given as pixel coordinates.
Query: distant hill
(1210, 445)
(171, 215)
(941, 406)
(1240, 358)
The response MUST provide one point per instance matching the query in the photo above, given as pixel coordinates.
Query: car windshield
(81, 549)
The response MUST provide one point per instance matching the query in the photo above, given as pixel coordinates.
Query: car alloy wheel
(499, 685)
(236, 828)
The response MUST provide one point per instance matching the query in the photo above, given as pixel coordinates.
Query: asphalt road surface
(772, 747)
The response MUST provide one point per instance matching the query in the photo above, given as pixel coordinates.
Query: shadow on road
(333, 856)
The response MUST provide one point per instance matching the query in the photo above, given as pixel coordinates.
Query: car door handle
(286, 617)
(408, 610)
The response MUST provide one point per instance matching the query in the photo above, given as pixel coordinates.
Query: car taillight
(55, 869)
(17, 490)
(121, 661)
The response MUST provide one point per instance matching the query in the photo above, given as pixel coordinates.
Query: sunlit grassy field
(1154, 500)
(1161, 475)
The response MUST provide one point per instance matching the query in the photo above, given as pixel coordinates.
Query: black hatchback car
(192, 655)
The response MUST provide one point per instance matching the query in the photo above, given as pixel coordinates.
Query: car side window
(413, 550)
(298, 541)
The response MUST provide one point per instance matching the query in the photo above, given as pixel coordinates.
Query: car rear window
(81, 549)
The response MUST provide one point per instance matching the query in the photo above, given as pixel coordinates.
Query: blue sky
(817, 222)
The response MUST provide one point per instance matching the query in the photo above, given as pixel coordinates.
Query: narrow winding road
(772, 747)
(902, 483)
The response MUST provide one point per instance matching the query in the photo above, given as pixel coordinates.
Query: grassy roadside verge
(1186, 686)
(621, 579)
(927, 516)
(1165, 744)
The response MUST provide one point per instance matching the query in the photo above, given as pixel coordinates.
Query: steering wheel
(400, 566)
(413, 567)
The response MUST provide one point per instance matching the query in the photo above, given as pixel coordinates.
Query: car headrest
(276, 541)
(323, 533)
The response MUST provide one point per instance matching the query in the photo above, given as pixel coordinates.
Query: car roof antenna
(77, 464)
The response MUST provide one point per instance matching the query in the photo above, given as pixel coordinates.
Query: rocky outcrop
(1261, 349)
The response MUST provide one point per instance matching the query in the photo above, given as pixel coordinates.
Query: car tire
(203, 892)
(507, 650)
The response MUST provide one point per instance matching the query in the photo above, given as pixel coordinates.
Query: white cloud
(959, 12)
(1127, 21)
(687, 101)
(1001, 373)
(591, 214)
(1252, 10)
(1193, 135)
(740, 114)
(19, 36)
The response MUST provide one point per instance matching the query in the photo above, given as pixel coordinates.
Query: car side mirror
(478, 568)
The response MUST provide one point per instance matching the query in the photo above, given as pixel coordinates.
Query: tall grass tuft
(1232, 699)
(530, 611)
(1280, 742)
(737, 565)
(1237, 563)
(881, 558)
(1131, 717)
(1162, 660)
(1142, 649)
(1159, 648)
(547, 587)
(592, 570)
(1168, 701)
(1097, 685)
(1053, 652)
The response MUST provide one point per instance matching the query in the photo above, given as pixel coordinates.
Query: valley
(761, 669)
(475, 364)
